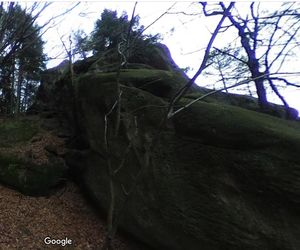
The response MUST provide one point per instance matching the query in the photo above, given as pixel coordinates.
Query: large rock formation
(219, 176)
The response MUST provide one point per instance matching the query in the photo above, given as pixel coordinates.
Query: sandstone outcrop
(220, 176)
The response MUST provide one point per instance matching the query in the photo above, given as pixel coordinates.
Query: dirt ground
(26, 221)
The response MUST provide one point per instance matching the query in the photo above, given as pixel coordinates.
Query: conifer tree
(21, 57)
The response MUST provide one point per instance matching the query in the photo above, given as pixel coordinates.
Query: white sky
(186, 43)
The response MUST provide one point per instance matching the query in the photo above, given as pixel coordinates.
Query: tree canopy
(111, 31)
(21, 57)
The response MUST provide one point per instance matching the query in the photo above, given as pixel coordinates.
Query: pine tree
(21, 57)
(112, 31)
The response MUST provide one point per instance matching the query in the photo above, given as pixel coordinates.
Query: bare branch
(214, 92)
(214, 13)
(284, 47)
(203, 65)
(274, 88)
(229, 54)
(183, 13)
(270, 43)
(284, 56)
(255, 30)
(285, 81)
(158, 18)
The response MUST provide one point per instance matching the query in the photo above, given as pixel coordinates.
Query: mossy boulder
(13, 131)
(217, 176)
(244, 101)
(29, 178)
(24, 163)
(158, 82)
(220, 177)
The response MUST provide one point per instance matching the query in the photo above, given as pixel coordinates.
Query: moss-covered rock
(30, 178)
(219, 176)
(13, 131)
(243, 101)
(158, 82)
(24, 163)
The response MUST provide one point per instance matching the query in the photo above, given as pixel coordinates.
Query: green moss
(147, 108)
(29, 178)
(244, 101)
(158, 82)
(138, 66)
(127, 75)
(236, 127)
(141, 74)
(17, 130)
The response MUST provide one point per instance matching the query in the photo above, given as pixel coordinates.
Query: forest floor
(26, 221)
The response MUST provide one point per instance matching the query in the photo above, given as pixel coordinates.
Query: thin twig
(214, 92)
(203, 65)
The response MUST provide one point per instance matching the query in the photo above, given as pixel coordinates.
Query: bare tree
(273, 33)
(181, 92)
(228, 66)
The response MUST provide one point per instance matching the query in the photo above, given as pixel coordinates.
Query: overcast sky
(186, 36)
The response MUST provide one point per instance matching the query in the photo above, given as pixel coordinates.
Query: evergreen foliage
(113, 32)
(21, 57)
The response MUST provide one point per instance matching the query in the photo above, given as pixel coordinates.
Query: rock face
(217, 177)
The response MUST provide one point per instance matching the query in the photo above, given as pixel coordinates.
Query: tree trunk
(253, 62)
(12, 94)
(19, 88)
(24, 103)
(253, 65)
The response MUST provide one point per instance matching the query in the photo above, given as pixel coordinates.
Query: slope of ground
(26, 221)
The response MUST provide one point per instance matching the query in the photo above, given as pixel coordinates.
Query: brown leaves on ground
(37, 149)
(25, 221)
